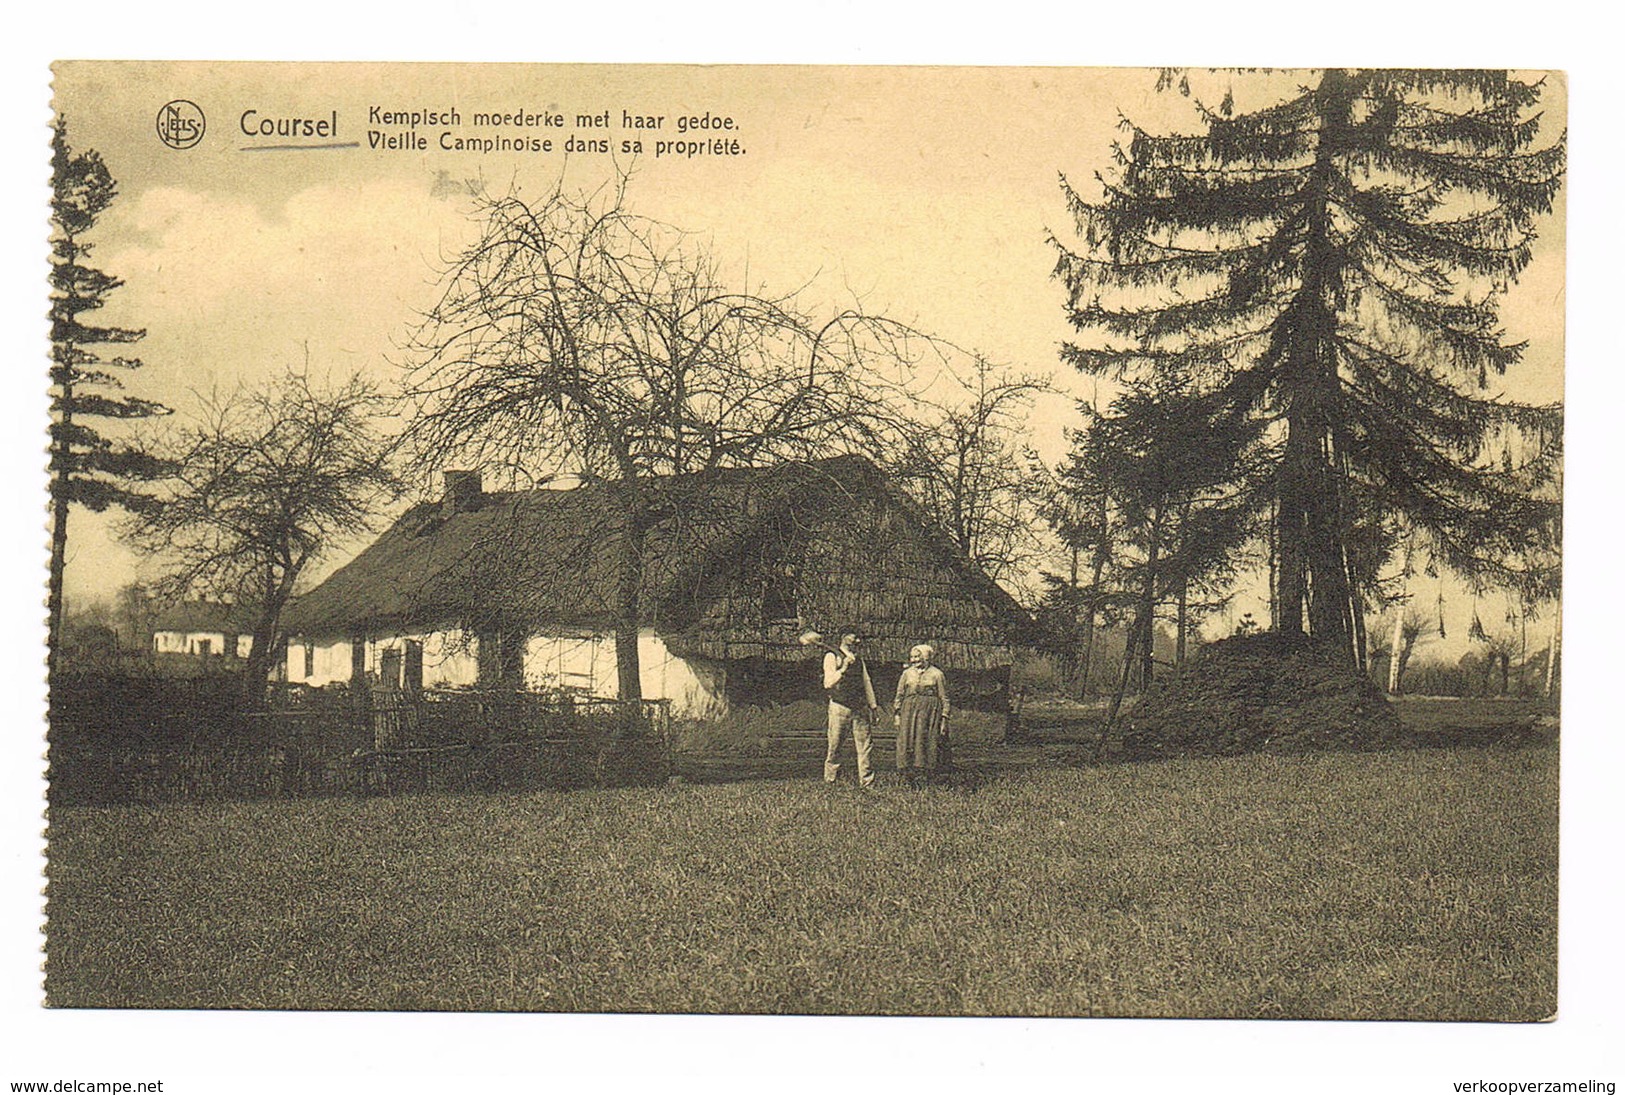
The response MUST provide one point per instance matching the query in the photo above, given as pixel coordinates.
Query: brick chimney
(463, 493)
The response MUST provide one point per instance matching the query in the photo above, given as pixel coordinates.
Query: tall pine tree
(87, 468)
(1329, 264)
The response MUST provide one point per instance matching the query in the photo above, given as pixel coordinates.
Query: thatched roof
(205, 616)
(547, 559)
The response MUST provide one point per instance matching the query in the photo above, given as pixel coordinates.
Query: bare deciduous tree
(967, 462)
(265, 481)
(575, 337)
(1399, 631)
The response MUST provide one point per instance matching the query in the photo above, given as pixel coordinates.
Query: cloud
(233, 292)
(230, 290)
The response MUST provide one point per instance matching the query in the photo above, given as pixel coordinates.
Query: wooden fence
(116, 742)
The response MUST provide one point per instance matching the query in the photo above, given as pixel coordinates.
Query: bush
(1038, 674)
(1261, 693)
(750, 730)
(123, 739)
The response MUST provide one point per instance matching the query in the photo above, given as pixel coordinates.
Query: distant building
(515, 589)
(203, 628)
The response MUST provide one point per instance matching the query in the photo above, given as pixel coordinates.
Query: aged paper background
(113, 1043)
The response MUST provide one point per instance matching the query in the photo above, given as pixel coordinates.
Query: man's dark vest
(848, 691)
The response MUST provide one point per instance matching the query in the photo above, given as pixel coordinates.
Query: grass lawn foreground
(1413, 884)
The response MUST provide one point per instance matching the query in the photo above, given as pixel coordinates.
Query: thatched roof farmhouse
(485, 587)
(203, 627)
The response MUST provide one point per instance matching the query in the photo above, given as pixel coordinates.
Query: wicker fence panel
(111, 744)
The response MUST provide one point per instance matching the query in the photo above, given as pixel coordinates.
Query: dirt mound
(1261, 693)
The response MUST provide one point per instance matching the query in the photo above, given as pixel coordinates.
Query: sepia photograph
(602, 543)
(574, 538)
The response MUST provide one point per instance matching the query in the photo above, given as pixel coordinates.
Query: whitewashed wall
(330, 664)
(450, 658)
(585, 660)
(579, 660)
(694, 687)
(187, 642)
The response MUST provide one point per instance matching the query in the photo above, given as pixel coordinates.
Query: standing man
(850, 691)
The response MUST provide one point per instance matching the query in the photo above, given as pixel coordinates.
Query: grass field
(1417, 884)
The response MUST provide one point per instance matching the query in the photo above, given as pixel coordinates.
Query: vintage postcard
(795, 540)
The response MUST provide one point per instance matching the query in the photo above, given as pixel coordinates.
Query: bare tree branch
(264, 481)
(575, 337)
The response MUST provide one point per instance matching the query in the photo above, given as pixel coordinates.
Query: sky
(927, 193)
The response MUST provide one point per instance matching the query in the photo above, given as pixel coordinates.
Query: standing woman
(921, 710)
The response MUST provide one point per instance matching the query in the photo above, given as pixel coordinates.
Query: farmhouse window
(310, 660)
(501, 657)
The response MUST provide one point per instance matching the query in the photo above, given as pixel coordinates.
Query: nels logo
(180, 123)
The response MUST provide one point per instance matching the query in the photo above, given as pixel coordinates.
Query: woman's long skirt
(919, 732)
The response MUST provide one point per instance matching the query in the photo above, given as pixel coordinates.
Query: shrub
(1261, 693)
